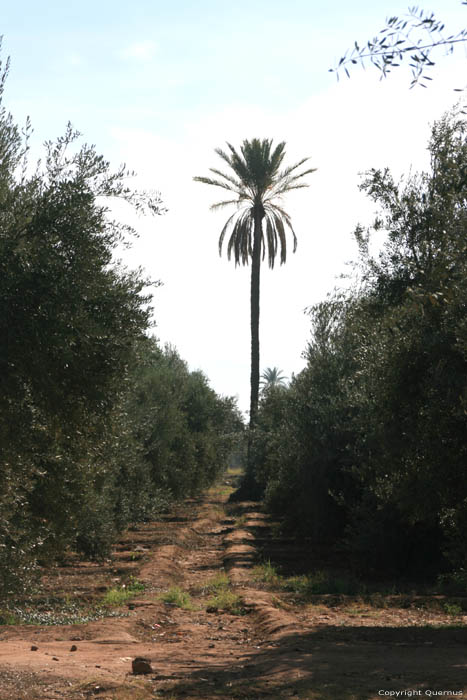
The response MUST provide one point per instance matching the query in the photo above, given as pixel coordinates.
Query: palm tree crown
(273, 377)
(257, 183)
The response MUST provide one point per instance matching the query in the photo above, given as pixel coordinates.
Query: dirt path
(262, 646)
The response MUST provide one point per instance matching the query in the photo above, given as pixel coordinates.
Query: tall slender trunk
(249, 487)
(254, 319)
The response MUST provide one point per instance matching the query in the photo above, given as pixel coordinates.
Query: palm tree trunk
(254, 320)
(249, 486)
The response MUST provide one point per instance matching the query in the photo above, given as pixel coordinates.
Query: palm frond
(237, 163)
(288, 171)
(271, 237)
(287, 184)
(215, 183)
(225, 229)
(257, 182)
(279, 223)
(236, 183)
(240, 239)
(277, 157)
(226, 203)
(280, 217)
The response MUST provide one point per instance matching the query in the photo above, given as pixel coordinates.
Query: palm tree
(259, 223)
(273, 377)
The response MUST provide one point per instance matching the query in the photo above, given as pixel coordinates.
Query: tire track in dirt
(240, 557)
(273, 650)
(180, 644)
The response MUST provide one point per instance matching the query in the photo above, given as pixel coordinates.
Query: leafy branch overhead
(64, 163)
(414, 37)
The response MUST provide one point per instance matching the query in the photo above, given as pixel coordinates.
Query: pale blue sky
(152, 64)
(160, 85)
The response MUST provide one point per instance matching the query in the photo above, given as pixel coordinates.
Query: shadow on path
(339, 663)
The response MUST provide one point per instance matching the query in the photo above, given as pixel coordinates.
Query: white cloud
(140, 50)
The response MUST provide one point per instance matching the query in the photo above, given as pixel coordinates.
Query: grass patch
(222, 597)
(119, 596)
(178, 597)
(228, 601)
(267, 573)
(319, 582)
(219, 582)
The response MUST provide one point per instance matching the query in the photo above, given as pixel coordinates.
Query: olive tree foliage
(74, 460)
(170, 435)
(69, 318)
(415, 37)
(184, 431)
(367, 447)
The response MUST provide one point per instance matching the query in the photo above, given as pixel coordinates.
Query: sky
(160, 85)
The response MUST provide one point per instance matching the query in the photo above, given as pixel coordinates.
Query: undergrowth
(336, 586)
(222, 597)
(178, 597)
(121, 595)
(55, 611)
(63, 609)
(228, 601)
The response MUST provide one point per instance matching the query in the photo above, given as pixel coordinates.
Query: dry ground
(269, 644)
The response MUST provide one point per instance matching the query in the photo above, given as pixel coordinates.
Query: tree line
(365, 449)
(99, 425)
